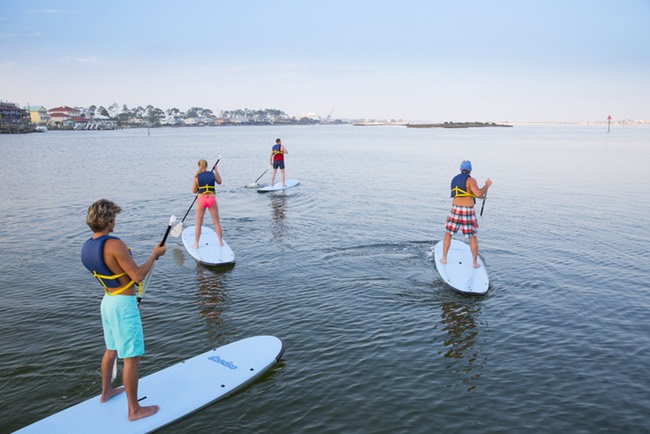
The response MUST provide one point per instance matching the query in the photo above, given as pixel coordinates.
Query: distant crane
(327, 119)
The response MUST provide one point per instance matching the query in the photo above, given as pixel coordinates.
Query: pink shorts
(206, 200)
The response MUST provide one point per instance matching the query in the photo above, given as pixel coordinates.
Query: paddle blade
(177, 230)
(114, 373)
(145, 283)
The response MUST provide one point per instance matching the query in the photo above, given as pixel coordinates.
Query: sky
(418, 61)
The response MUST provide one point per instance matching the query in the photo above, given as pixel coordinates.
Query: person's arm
(217, 177)
(478, 192)
(195, 185)
(117, 252)
(283, 149)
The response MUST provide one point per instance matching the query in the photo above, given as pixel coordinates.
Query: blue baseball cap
(466, 166)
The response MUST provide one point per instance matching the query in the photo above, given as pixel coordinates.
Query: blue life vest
(278, 155)
(206, 182)
(92, 256)
(458, 186)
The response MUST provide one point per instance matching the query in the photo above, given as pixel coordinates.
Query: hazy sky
(429, 60)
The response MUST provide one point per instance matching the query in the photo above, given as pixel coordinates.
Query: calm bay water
(341, 269)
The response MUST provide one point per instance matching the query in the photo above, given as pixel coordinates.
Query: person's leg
(107, 370)
(446, 242)
(200, 212)
(130, 378)
(283, 184)
(275, 169)
(473, 246)
(214, 213)
(451, 227)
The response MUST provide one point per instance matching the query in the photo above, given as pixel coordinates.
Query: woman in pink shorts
(204, 186)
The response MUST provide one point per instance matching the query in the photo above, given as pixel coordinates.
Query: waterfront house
(38, 114)
(62, 116)
(13, 119)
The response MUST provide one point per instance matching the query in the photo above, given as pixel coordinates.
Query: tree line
(154, 116)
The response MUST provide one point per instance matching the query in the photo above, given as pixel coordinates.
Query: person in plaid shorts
(464, 191)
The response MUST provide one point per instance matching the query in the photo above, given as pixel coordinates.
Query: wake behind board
(278, 186)
(459, 272)
(209, 251)
(178, 390)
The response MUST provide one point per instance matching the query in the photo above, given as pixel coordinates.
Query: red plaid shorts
(464, 218)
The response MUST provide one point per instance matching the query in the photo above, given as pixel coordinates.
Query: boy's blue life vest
(92, 256)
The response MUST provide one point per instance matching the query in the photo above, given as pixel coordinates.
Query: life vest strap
(101, 278)
(204, 189)
(459, 192)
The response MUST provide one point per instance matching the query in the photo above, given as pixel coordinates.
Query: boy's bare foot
(195, 246)
(108, 394)
(143, 412)
(443, 261)
(477, 265)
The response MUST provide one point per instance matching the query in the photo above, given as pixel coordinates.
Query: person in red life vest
(464, 191)
(110, 261)
(277, 159)
(204, 186)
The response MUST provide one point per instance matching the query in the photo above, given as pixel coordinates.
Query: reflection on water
(211, 297)
(179, 256)
(459, 321)
(278, 215)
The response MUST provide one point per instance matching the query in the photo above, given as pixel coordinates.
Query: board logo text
(219, 360)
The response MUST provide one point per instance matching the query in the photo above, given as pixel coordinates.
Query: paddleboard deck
(459, 272)
(209, 251)
(278, 186)
(178, 390)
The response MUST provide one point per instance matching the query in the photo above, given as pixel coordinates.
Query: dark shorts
(278, 164)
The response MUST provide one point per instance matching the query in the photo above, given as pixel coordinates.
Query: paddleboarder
(464, 191)
(110, 261)
(204, 186)
(277, 159)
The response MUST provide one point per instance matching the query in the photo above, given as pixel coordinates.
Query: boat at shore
(41, 129)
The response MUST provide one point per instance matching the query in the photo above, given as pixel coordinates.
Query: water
(341, 269)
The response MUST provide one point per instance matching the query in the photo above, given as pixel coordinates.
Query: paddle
(145, 281)
(254, 183)
(483, 205)
(178, 229)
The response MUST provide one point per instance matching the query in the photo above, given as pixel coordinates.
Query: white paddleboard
(278, 186)
(209, 251)
(459, 271)
(178, 390)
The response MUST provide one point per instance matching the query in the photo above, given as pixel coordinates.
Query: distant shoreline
(459, 125)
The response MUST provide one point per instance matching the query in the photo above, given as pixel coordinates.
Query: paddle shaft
(258, 178)
(162, 243)
(483, 205)
(197, 195)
